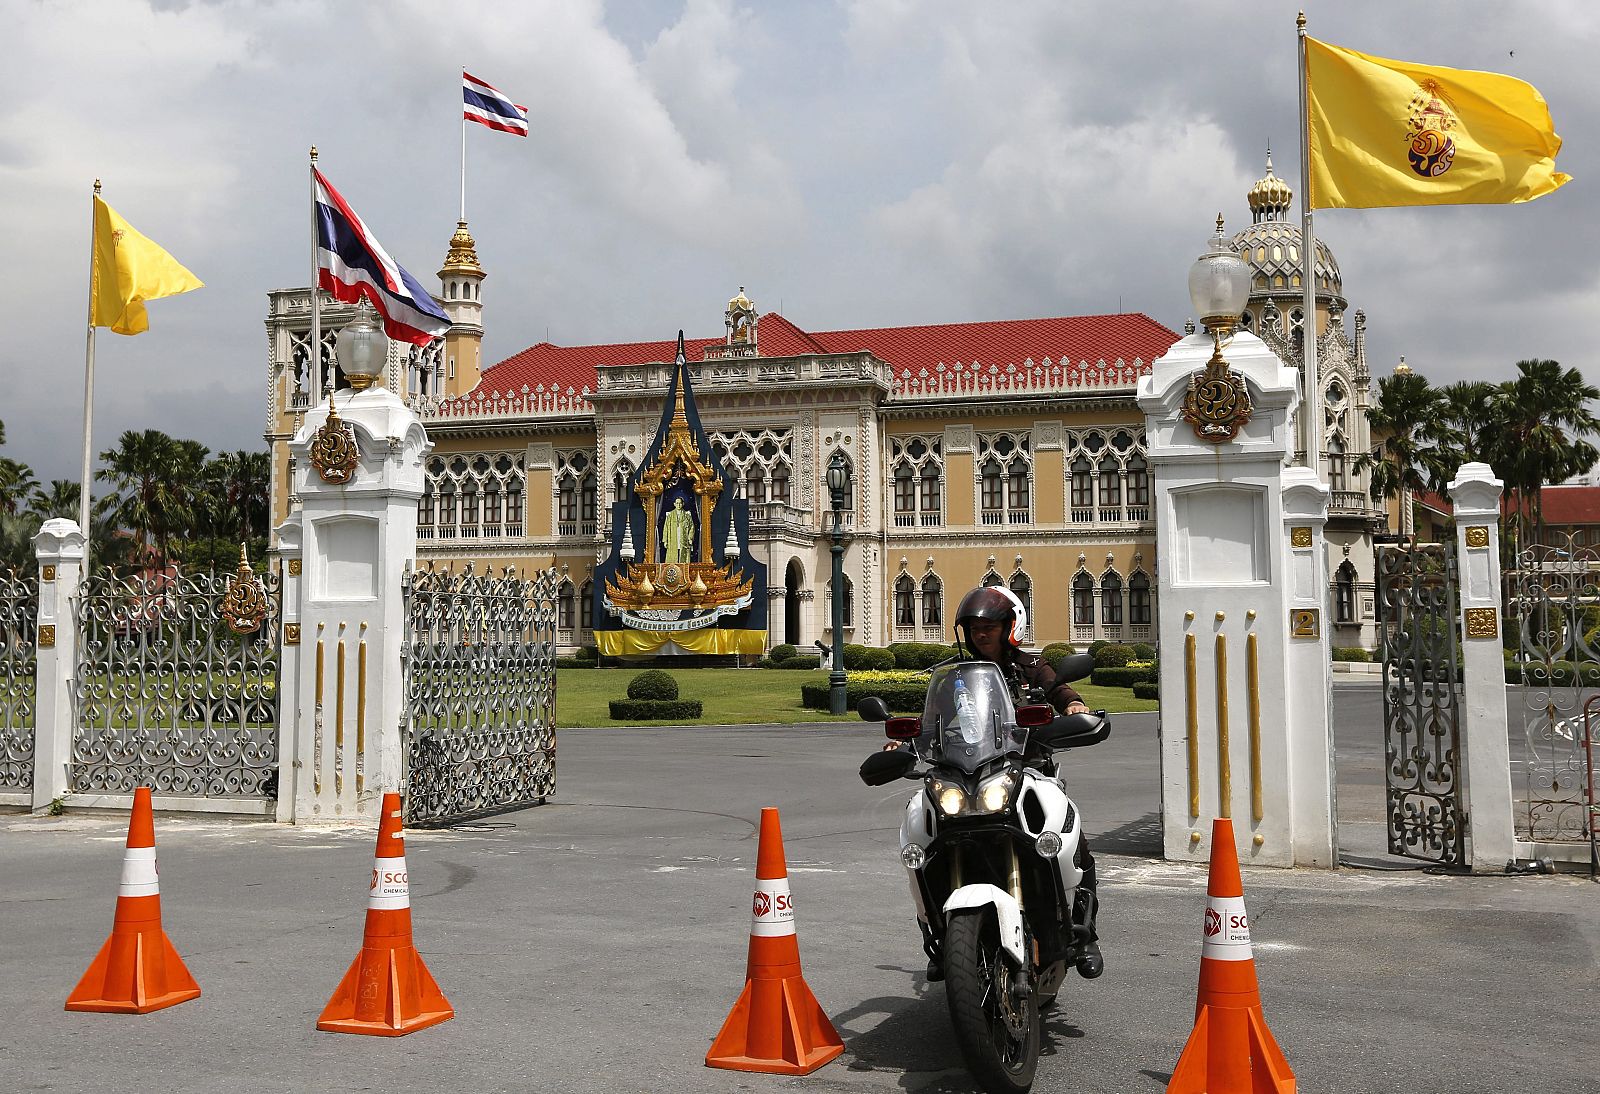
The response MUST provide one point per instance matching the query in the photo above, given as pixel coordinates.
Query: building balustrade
(1349, 501)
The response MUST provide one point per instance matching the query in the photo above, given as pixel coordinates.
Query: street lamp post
(838, 482)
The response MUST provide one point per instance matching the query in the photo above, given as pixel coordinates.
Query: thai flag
(352, 264)
(487, 106)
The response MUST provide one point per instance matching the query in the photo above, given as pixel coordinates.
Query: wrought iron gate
(19, 609)
(1421, 703)
(480, 673)
(1553, 599)
(176, 685)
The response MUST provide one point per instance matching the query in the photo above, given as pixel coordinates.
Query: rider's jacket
(1033, 671)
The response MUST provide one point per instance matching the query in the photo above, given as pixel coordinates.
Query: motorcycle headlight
(951, 799)
(994, 793)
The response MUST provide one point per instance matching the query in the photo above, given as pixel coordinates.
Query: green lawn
(741, 696)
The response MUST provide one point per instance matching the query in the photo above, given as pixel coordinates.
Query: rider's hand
(891, 746)
(1076, 708)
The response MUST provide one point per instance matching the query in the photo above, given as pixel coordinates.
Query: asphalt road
(596, 943)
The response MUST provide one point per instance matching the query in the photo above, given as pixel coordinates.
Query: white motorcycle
(991, 846)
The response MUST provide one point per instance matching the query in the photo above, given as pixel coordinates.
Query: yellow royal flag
(1388, 133)
(128, 270)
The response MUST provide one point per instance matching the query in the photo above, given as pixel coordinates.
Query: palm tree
(59, 499)
(1471, 407)
(1544, 417)
(16, 480)
(1415, 450)
(154, 476)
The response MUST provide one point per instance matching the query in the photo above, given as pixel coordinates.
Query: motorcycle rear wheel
(997, 1032)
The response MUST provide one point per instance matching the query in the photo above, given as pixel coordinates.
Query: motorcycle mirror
(882, 768)
(873, 709)
(1035, 714)
(903, 729)
(1074, 666)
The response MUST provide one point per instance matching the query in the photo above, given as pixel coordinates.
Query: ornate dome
(463, 255)
(1271, 245)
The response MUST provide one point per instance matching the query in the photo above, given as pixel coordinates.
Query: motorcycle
(990, 844)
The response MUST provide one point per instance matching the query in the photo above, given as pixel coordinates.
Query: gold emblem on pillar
(1482, 623)
(47, 573)
(291, 634)
(1217, 403)
(1300, 537)
(1305, 623)
(1477, 536)
(244, 606)
(47, 636)
(333, 449)
(294, 567)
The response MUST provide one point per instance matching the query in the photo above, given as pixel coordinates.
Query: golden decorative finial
(333, 449)
(1301, 21)
(463, 255)
(97, 187)
(244, 606)
(1219, 223)
(1402, 369)
(313, 153)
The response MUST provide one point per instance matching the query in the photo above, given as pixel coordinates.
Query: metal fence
(176, 685)
(1553, 600)
(19, 609)
(480, 678)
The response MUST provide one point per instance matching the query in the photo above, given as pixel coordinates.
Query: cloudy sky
(876, 163)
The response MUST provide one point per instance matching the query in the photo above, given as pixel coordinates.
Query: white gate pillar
(355, 539)
(1486, 763)
(1310, 670)
(59, 549)
(1239, 733)
(295, 744)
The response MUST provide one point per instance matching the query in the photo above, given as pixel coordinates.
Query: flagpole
(88, 394)
(316, 294)
(463, 164)
(1311, 410)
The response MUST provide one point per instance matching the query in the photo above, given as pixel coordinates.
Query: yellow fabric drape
(707, 640)
(128, 270)
(1387, 133)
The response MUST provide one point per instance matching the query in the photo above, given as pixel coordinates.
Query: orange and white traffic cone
(137, 970)
(388, 991)
(1231, 1050)
(777, 1025)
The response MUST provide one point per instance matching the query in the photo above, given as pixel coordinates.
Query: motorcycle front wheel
(996, 1027)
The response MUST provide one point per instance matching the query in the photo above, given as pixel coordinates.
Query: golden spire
(463, 256)
(1270, 197)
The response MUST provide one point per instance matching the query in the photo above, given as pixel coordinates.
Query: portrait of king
(677, 533)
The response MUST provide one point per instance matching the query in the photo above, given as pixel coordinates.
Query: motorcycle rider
(990, 623)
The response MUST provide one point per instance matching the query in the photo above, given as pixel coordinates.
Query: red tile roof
(959, 347)
(1563, 505)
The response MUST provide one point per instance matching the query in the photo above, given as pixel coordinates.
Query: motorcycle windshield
(969, 718)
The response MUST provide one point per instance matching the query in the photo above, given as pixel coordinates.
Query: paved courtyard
(596, 943)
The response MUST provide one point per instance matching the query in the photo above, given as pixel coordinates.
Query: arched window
(1082, 490)
(992, 579)
(905, 601)
(469, 509)
(565, 604)
(932, 477)
(1083, 600)
(1005, 471)
(905, 495)
(1344, 593)
(588, 502)
(1110, 486)
(1139, 599)
(1138, 481)
(425, 513)
(849, 598)
(619, 480)
(932, 598)
(1336, 469)
(993, 498)
(780, 484)
(1111, 598)
(755, 486)
(586, 606)
(1022, 588)
(918, 480)
(849, 485)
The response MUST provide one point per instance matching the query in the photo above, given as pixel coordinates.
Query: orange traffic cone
(137, 970)
(1231, 1050)
(776, 1025)
(388, 991)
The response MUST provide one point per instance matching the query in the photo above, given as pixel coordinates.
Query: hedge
(575, 663)
(903, 696)
(589, 653)
(1351, 653)
(1123, 676)
(799, 664)
(1055, 652)
(1113, 655)
(866, 657)
(919, 655)
(653, 684)
(1147, 689)
(644, 710)
(1560, 673)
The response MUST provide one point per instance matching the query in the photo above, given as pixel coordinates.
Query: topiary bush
(1113, 656)
(1351, 653)
(589, 653)
(1096, 646)
(919, 655)
(653, 684)
(867, 657)
(1053, 654)
(1144, 651)
(782, 652)
(1149, 689)
(647, 710)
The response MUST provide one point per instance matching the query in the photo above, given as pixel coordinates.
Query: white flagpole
(316, 292)
(1311, 404)
(463, 160)
(88, 395)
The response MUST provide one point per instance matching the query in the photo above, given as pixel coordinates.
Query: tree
(16, 481)
(1472, 409)
(59, 499)
(1543, 418)
(154, 478)
(1414, 453)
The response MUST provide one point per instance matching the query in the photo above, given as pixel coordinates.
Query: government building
(1008, 452)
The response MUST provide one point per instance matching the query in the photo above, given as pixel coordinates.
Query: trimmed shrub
(653, 684)
(1113, 656)
(1148, 689)
(1122, 676)
(645, 710)
(866, 657)
(1351, 653)
(1144, 651)
(588, 653)
(1053, 653)
(575, 663)
(919, 655)
(901, 698)
(782, 652)
(1096, 646)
